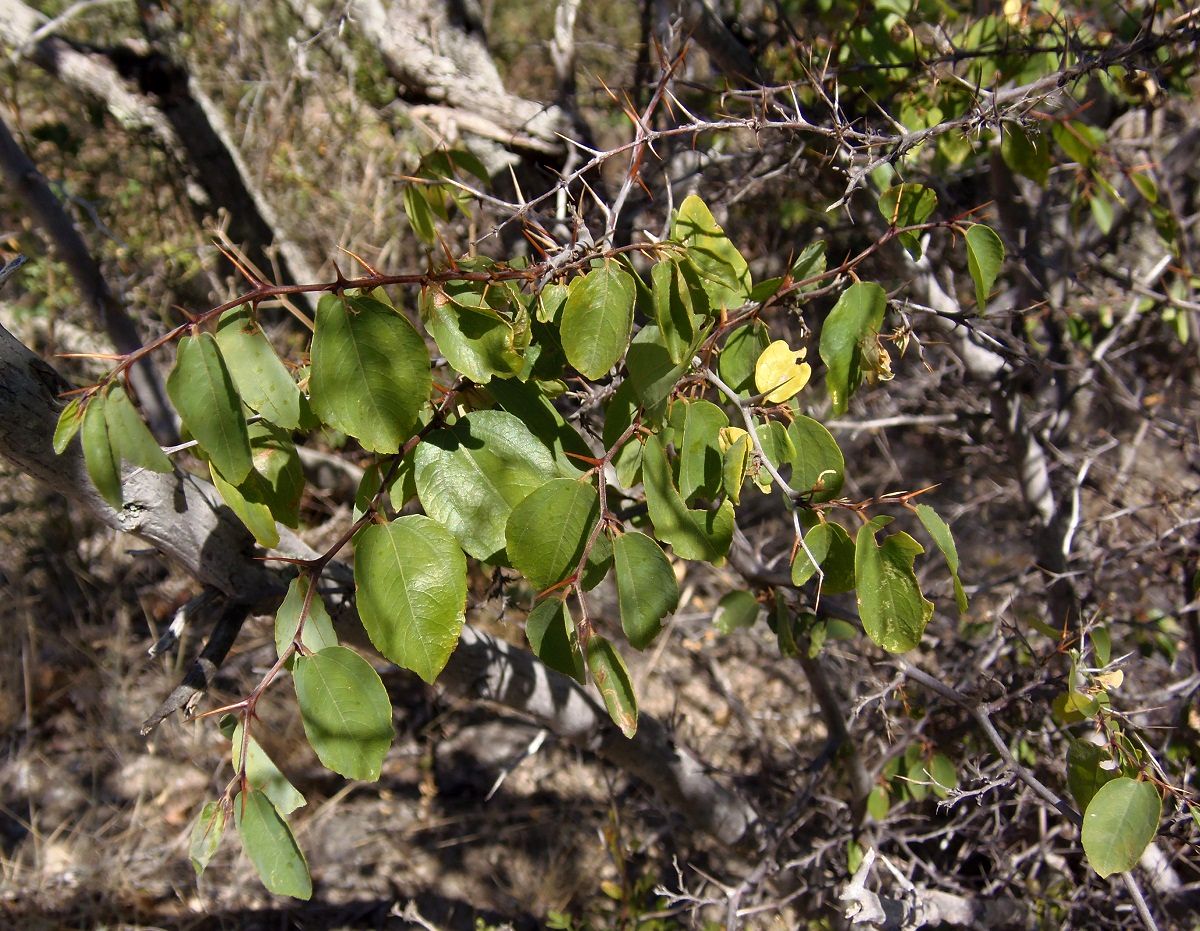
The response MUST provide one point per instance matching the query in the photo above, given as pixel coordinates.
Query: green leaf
(675, 309)
(612, 679)
(475, 339)
(939, 531)
(103, 465)
(69, 422)
(278, 477)
(1026, 153)
(818, 467)
(908, 205)
(723, 270)
(1119, 824)
(941, 773)
(131, 439)
(202, 391)
(318, 633)
(370, 371)
(735, 610)
(985, 255)
(256, 517)
(878, 803)
(838, 565)
(420, 217)
(692, 534)
(346, 712)
(1102, 644)
(411, 579)
(551, 634)
(817, 542)
(538, 414)
(1085, 775)
(652, 371)
(271, 846)
(470, 476)
(857, 314)
(738, 356)
(809, 264)
(261, 379)
(206, 835)
(700, 458)
(263, 774)
(893, 610)
(734, 465)
(546, 533)
(598, 319)
(647, 590)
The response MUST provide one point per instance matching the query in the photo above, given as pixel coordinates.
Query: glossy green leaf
(810, 263)
(985, 256)
(1102, 644)
(598, 318)
(263, 774)
(735, 610)
(838, 564)
(552, 637)
(904, 205)
(206, 835)
(346, 712)
(647, 590)
(939, 531)
(818, 467)
(720, 266)
(318, 633)
(893, 610)
(131, 439)
(1085, 775)
(857, 314)
(475, 339)
(411, 579)
(700, 460)
(546, 533)
(470, 476)
(612, 679)
(103, 465)
(269, 843)
(277, 479)
(202, 391)
(370, 371)
(262, 380)
(1120, 821)
(738, 356)
(256, 517)
(69, 422)
(693, 534)
(537, 413)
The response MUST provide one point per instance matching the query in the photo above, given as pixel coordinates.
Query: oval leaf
(546, 533)
(985, 255)
(893, 610)
(612, 679)
(736, 609)
(647, 590)
(1085, 775)
(102, 463)
(1119, 824)
(346, 712)
(131, 439)
(261, 379)
(857, 314)
(718, 263)
(597, 319)
(411, 579)
(908, 205)
(202, 391)
(370, 371)
(470, 477)
(818, 467)
(271, 846)
(700, 459)
(69, 422)
(263, 774)
(317, 634)
(939, 530)
(552, 637)
(693, 534)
